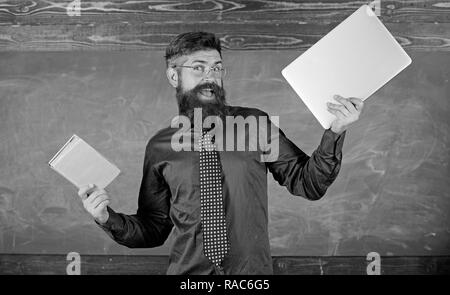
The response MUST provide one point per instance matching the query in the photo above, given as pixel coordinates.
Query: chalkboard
(391, 196)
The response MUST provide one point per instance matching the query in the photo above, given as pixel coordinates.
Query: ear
(172, 76)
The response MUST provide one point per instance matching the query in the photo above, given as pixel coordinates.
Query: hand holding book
(95, 200)
(88, 170)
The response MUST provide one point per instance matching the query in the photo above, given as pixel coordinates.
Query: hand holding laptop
(354, 59)
(347, 111)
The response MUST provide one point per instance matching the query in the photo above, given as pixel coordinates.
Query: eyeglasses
(203, 71)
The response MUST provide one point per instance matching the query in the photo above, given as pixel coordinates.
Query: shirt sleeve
(151, 225)
(303, 175)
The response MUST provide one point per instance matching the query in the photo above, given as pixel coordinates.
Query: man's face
(197, 88)
(189, 78)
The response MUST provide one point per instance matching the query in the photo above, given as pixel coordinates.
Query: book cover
(81, 164)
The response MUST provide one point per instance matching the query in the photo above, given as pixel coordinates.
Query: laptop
(354, 59)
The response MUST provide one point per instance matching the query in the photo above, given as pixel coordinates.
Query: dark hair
(190, 42)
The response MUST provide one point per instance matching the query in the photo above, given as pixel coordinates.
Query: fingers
(337, 113)
(100, 202)
(353, 105)
(347, 112)
(97, 196)
(84, 191)
(339, 108)
(346, 102)
(359, 104)
(103, 204)
(95, 201)
(92, 195)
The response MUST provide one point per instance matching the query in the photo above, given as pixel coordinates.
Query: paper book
(81, 164)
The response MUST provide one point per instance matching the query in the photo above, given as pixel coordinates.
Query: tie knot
(207, 138)
(206, 130)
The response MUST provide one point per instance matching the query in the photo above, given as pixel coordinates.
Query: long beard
(188, 100)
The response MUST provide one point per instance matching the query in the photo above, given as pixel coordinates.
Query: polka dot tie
(215, 242)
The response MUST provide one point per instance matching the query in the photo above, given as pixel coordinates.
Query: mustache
(188, 100)
(190, 97)
(216, 89)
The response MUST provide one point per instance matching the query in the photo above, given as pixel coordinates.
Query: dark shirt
(169, 199)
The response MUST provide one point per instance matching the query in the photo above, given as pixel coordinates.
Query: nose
(208, 77)
(208, 74)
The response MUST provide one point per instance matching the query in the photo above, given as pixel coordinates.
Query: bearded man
(215, 202)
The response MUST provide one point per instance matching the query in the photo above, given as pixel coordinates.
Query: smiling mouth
(207, 92)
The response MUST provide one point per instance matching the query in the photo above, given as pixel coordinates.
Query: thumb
(85, 190)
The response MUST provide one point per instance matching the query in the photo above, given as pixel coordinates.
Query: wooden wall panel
(15, 264)
(121, 36)
(250, 12)
(242, 25)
